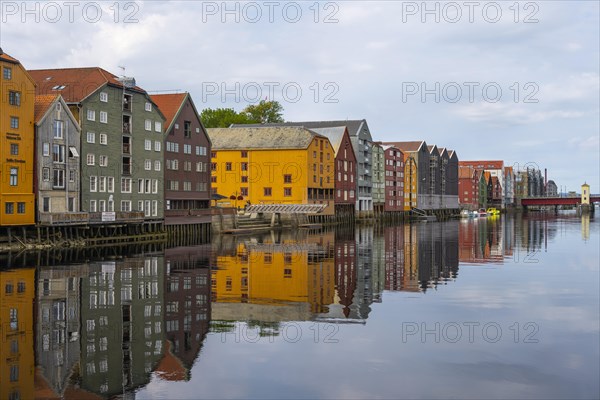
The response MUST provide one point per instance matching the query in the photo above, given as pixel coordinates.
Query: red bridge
(556, 201)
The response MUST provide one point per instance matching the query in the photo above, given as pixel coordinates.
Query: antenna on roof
(127, 81)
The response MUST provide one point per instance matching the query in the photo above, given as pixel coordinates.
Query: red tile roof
(78, 83)
(484, 164)
(169, 105)
(6, 57)
(42, 103)
(407, 146)
(466, 171)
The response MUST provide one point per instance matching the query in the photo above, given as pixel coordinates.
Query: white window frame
(93, 184)
(104, 97)
(148, 125)
(90, 159)
(91, 137)
(103, 139)
(158, 126)
(148, 145)
(157, 165)
(91, 115)
(157, 145)
(103, 161)
(148, 106)
(104, 117)
(147, 164)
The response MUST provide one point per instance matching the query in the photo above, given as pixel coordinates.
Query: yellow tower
(585, 194)
(17, 94)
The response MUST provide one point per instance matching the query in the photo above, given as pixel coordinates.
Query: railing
(126, 128)
(118, 216)
(126, 148)
(63, 218)
(200, 212)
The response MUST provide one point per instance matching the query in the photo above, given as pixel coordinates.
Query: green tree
(223, 117)
(265, 112)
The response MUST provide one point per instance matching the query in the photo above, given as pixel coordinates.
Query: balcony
(67, 218)
(127, 128)
(126, 148)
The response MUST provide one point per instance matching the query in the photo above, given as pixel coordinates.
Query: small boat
(474, 214)
(492, 211)
(465, 214)
(482, 212)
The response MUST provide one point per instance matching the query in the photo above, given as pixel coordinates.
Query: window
(46, 204)
(125, 185)
(7, 73)
(125, 205)
(103, 117)
(158, 126)
(154, 186)
(187, 129)
(228, 166)
(148, 106)
(244, 154)
(147, 144)
(93, 206)
(14, 149)
(58, 153)
(45, 174)
(147, 164)
(57, 129)
(103, 138)
(14, 176)
(157, 165)
(73, 152)
(267, 191)
(58, 179)
(110, 184)
(287, 192)
(91, 115)
(244, 179)
(244, 166)
(287, 179)
(91, 137)
(14, 98)
(103, 161)
(102, 184)
(46, 149)
(91, 159)
(213, 154)
(104, 97)
(187, 165)
(244, 191)
(148, 125)
(187, 149)
(187, 186)
(93, 184)
(72, 174)
(14, 122)
(20, 210)
(157, 145)
(9, 208)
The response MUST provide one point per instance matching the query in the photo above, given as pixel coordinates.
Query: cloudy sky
(493, 80)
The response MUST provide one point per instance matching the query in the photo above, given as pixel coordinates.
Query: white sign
(109, 216)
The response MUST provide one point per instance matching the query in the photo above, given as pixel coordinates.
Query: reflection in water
(104, 328)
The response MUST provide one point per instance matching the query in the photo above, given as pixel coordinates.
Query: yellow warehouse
(272, 165)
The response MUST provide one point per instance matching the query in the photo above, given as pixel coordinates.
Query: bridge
(556, 201)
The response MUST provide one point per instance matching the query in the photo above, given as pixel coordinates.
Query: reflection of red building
(187, 309)
(394, 178)
(480, 242)
(345, 272)
(394, 257)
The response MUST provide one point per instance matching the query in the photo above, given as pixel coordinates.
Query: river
(503, 307)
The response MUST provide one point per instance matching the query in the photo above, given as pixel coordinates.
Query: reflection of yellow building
(275, 273)
(410, 281)
(272, 165)
(17, 94)
(410, 182)
(17, 292)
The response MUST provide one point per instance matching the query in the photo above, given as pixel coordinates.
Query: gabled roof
(452, 153)
(334, 134)
(269, 137)
(408, 146)
(354, 126)
(42, 103)
(170, 367)
(466, 172)
(75, 84)
(443, 151)
(45, 102)
(433, 149)
(7, 58)
(170, 104)
(509, 170)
